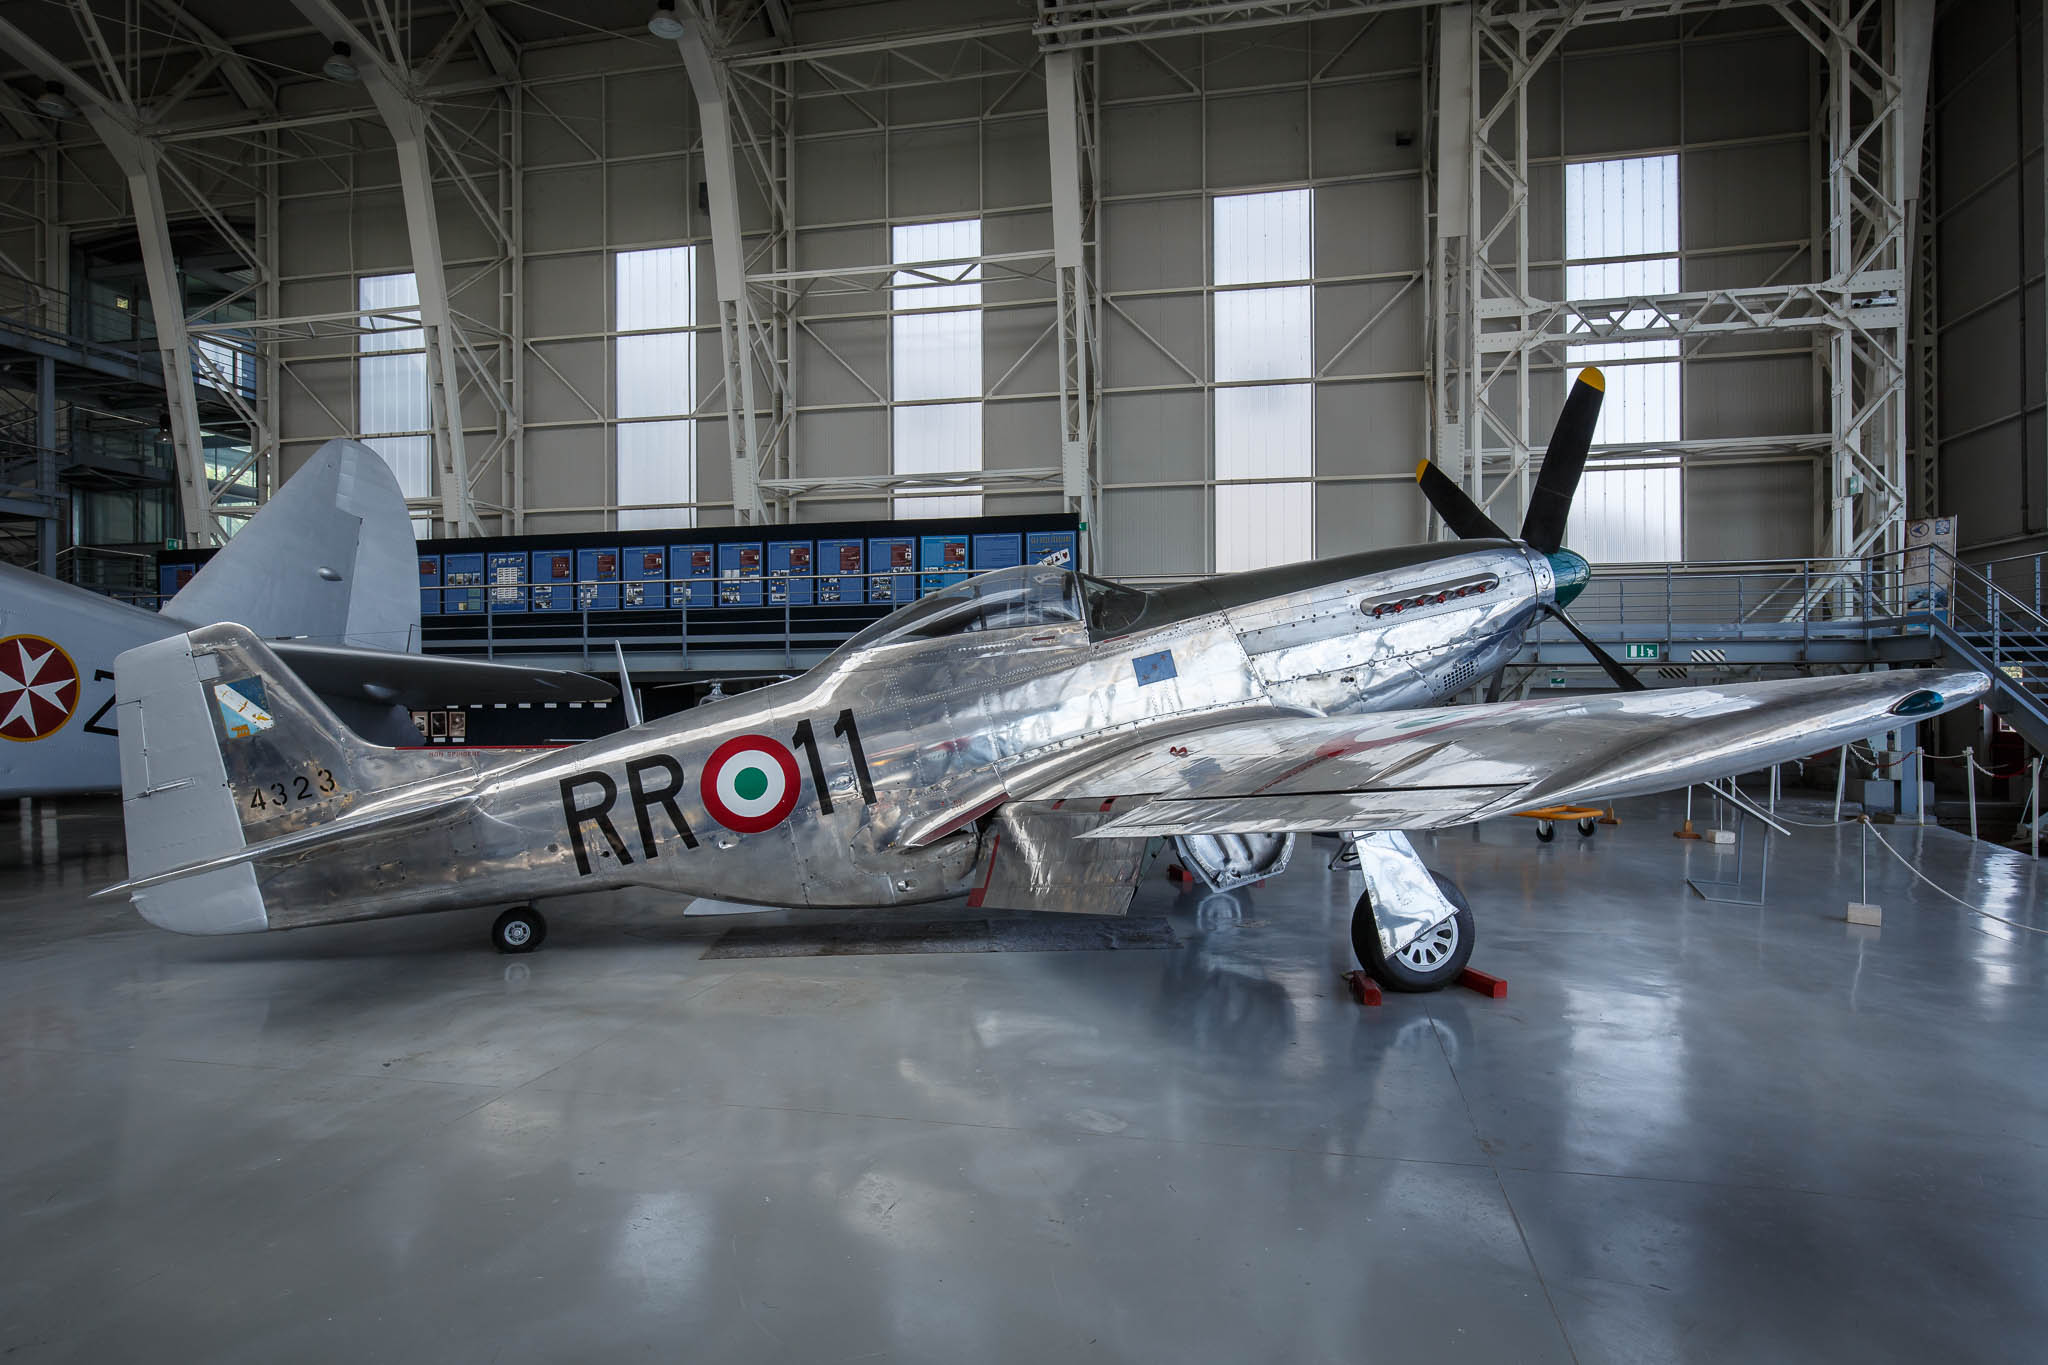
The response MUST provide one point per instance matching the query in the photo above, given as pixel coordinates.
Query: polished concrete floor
(1692, 1131)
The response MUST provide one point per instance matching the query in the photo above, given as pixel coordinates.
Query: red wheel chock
(1364, 989)
(1492, 987)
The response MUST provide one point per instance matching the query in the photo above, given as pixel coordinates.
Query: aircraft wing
(423, 680)
(1451, 765)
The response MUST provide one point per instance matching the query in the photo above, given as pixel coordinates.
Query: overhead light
(664, 23)
(339, 67)
(53, 103)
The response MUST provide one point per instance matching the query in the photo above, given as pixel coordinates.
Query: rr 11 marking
(588, 797)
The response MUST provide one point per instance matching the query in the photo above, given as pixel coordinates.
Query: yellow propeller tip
(1420, 467)
(1592, 378)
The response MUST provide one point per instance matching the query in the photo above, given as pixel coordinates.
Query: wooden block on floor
(1719, 836)
(1364, 989)
(1492, 987)
(1859, 913)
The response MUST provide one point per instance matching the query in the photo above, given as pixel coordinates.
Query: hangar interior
(1194, 283)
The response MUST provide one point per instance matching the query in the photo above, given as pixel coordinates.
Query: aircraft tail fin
(328, 559)
(223, 750)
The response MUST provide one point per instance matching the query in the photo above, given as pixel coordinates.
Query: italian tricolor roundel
(750, 783)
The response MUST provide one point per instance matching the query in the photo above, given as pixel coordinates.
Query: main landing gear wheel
(1432, 960)
(519, 930)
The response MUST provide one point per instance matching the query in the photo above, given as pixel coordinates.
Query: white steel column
(1073, 182)
(386, 81)
(117, 126)
(1456, 189)
(728, 260)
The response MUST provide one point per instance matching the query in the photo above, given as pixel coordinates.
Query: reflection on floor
(1693, 1130)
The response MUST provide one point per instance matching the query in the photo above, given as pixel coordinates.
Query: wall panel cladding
(1154, 531)
(1748, 511)
(1155, 436)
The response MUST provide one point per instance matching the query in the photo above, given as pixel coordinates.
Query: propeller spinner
(1550, 505)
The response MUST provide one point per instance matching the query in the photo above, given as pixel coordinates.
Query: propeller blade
(1623, 679)
(1454, 505)
(1550, 502)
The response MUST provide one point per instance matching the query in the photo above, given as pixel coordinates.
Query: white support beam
(118, 128)
(1067, 128)
(728, 262)
(388, 85)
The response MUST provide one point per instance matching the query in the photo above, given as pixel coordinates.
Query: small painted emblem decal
(242, 711)
(38, 687)
(1152, 668)
(750, 783)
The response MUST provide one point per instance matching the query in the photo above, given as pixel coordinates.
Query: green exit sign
(1648, 652)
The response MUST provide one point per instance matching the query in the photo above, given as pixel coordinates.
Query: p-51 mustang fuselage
(868, 780)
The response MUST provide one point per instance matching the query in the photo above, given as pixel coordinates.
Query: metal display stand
(1728, 892)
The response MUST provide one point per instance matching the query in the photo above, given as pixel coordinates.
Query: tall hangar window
(391, 385)
(654, 386)
(1621, 240)
(1264, 395)
(935, 363)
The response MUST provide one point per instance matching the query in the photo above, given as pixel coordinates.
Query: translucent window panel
(655, 289)
(1261, 237)
(1264, 433)
(931, 438)
(1625, 207)
(936, 354)
(411, 458)
(1628, 512)
(657, 464)
(392, 393)
(395, 292)
(653, 374)
(1642, 403)
(1265, 333)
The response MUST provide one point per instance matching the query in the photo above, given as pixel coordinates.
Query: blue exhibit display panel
(597, 576)
(171, 577)
(893, 562)
(554, 578)
(430, 585)
(643, 575)
(836, 557)
(789, 572)
(739, 574)
(1003, 551)
(508, 580)
(698, 567)
(1052, 547)
(942, 561)
(462, 584)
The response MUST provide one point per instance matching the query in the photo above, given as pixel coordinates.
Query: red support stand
(1364, 989)
(1492, 987)
(1177, 873)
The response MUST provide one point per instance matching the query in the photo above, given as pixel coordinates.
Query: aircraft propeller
(1550, 505)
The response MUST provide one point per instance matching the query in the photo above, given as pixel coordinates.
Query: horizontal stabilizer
(425, 680)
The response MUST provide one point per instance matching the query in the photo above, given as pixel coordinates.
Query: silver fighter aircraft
(327, 565)
(1018, 739)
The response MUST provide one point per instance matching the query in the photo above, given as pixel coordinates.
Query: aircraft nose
(1573, 574)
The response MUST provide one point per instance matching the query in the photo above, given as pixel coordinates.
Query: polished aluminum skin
(1278, 700)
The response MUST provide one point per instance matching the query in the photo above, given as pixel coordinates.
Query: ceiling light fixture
(339, 66)
(53, 103)
(664, 23)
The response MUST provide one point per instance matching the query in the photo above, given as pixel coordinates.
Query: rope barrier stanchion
(1970, 784)
(1686, 831)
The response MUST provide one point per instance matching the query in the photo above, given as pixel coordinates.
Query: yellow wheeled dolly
(1589, 818)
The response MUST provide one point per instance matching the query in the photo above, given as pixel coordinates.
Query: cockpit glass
(1112, 608)
(1027, 596)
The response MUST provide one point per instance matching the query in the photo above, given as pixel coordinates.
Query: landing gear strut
(1412, 927)
(1431, 960)
(519, 930)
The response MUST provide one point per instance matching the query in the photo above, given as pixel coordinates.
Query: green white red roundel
(750, 783)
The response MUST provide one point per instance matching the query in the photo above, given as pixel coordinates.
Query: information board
(462, 584)
(642, 576)
(597, 576)
(892, 562)
(739, 574)
(697, 566)
(509, 579)
(430, 585)
(837, 557)
(554, 576)
(789, 572)
(1052, 547)
(941, 561)
(1001, 550)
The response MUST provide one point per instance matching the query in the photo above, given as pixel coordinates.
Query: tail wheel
(519, 930)
(1435, 956)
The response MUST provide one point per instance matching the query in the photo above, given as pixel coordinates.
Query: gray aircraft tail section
(330, 559)
(226, 756)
